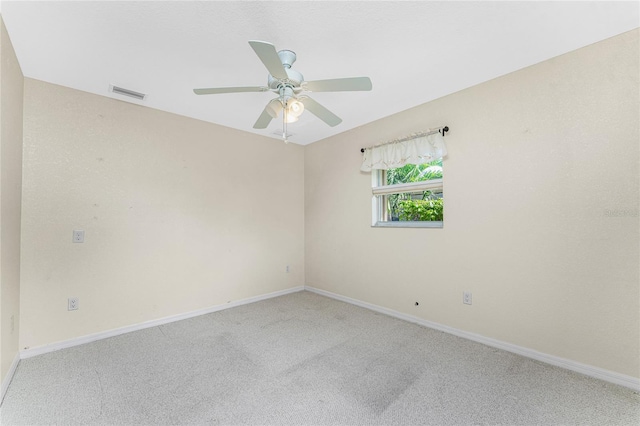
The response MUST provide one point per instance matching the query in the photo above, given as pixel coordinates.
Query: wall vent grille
(127, 92)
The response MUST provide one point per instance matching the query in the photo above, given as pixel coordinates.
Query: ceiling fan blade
(217, 90)
(352, 84)
(319, 111)
(269, 57)
(264, 119)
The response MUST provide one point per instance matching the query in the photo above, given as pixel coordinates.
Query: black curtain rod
(442, 130)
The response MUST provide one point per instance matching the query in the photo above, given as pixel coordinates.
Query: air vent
(127, 92)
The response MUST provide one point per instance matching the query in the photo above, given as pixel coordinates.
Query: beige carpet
(303, 359)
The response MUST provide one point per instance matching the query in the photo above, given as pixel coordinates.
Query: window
(408, 196)
(406, 177)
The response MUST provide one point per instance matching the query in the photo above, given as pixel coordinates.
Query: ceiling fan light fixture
(295, 108)
(274, 107)
(289, 118)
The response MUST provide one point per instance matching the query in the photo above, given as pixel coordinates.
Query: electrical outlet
(72, 304)
(12, 324)
(466, 297)
(78, 236)
(288, 269)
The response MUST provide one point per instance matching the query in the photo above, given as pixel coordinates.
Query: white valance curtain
(419, 150)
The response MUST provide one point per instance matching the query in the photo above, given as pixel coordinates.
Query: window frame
(380, 190)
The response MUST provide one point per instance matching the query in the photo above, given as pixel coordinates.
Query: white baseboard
(7, 379)
(39, 350)
(588, 370)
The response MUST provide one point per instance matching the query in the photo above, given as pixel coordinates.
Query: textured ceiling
(413, 52)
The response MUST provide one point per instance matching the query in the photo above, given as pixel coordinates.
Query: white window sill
(408, 224)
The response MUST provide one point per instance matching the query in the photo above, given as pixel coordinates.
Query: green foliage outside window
(422, 210)
(405, 207)
(415, 173)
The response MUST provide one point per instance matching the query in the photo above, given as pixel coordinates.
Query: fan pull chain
(284, 124)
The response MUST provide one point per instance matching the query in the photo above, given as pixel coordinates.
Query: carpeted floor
(303, 359)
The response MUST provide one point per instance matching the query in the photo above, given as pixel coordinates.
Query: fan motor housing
(294, 79)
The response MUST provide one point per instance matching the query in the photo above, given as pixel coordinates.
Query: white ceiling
(413, 52)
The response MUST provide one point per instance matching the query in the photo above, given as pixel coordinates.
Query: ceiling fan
(289, 85)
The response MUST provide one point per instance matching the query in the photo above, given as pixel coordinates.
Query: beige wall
(536, 160)
(178, 214)
(181, 215)
(11, 88)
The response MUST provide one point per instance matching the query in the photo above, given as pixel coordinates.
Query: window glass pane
(413, 206)
(414, 173)
(409, 196)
